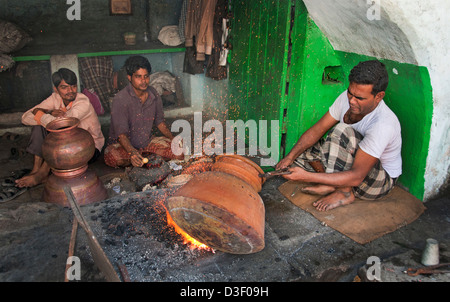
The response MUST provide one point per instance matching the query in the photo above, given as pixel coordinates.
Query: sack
(12, 38)
(95, 101)
(170, 36)
(6, 62)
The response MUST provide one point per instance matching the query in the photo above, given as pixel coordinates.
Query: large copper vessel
(67, 149)
(221, 211)
(241, 167)
(86, 187)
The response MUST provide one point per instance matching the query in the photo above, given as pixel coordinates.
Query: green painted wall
(263, 64)
(409, 95)
(257, 73)
(309, 95)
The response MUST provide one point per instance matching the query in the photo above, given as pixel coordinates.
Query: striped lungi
(337, 153)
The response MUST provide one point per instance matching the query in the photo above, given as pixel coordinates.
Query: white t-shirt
(381, 130)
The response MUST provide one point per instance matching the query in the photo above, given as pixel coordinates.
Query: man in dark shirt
(135, 110)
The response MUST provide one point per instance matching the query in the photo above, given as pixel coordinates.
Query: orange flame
(193, 243)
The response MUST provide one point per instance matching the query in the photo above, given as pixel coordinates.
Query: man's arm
(136, 157)
(362, 164)
(308, 139)
(45, 107)
(165, 130)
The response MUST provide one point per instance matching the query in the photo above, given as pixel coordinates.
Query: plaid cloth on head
(97, 73)
(337, 154)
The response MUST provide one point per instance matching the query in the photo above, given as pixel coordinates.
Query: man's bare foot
(38, 162)
(33, 171)
(318, 190)
(31, 180)
(334, 200)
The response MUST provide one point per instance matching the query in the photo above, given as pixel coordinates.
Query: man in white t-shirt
(361, 156)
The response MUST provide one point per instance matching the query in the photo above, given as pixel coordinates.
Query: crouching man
(65, 101)
(361, 156)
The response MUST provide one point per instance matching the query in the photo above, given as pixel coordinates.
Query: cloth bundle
(12, 39)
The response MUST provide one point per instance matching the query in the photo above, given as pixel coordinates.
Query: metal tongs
(428, 270)
(270, 174)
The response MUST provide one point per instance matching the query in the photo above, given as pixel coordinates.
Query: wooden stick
(100, 258)
(71, 245)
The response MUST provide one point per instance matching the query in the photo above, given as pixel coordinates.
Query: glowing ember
(186, 238)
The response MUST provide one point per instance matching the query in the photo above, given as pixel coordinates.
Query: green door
(258, 62)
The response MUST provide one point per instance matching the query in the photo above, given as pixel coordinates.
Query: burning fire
(194, 244)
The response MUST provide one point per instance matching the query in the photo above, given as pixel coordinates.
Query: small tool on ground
(429, 270)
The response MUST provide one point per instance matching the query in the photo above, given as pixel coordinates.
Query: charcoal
(134, 230)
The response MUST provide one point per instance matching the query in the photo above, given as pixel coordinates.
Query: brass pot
(67, 147)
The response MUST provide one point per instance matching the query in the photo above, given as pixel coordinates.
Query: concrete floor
(34, 241)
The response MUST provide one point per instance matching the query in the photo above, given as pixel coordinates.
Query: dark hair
(134, 63)
(64, 74)
(370, 72)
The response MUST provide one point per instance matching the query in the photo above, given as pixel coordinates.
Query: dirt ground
(35, 236)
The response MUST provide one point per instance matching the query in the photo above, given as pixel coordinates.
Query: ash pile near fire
(134, 232)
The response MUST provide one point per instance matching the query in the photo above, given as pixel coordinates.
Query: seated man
(135, 110)
(64, 102)
(361, 156)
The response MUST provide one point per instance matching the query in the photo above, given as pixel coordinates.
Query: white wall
(427, 26)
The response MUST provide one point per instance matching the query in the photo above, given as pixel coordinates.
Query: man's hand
(284, 163)
(35, 110)
(54, 112)
(137, 160)
(135, 156)
(57, 113)
(297, 174)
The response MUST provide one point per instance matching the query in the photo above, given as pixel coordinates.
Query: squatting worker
(361, 156)
(135, 110)
(65, 101)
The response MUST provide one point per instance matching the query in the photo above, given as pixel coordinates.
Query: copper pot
(221, 211)
(241, 167)
(67, 147)
(86, 187)
(200, 165)
(179, 180)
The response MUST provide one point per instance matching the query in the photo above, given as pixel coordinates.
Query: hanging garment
(204, 41)
(191, 64)
(182, 21)
(97, 73)
(193, 17)
(223, 48)
(213, 69)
